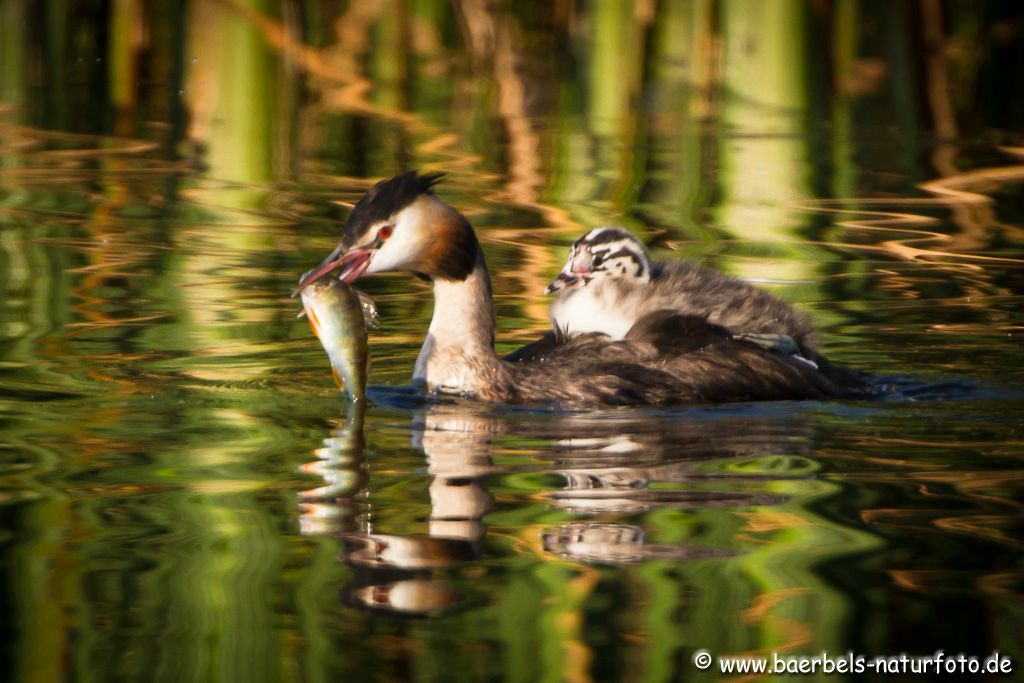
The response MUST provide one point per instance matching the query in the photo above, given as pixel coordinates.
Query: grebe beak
(563, 281)
(352, 262)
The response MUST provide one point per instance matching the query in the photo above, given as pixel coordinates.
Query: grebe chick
(400, 224)
(609, 282)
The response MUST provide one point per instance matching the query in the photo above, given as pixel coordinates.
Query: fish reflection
(331, 507)
(399, 573)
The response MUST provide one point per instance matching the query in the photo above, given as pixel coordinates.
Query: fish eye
(385, 232)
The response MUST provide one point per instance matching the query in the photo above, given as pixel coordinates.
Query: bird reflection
(396, 572)
(613, 468)
(614, 465)
(594, 542)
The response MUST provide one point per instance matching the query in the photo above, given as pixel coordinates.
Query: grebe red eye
(385, 232)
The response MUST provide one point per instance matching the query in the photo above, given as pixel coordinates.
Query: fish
(339, 316)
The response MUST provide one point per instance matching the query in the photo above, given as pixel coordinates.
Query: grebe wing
(535, 350)
(667, 359)
(771, 368)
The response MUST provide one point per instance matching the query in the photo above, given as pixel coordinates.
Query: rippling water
(184, 497)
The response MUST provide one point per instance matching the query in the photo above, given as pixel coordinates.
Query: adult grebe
(401, 225)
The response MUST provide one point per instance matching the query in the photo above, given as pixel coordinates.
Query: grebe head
(604, 253)
(401, 225)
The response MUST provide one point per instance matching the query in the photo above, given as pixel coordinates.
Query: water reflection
(631, 463)
(333, 507)
(395, 571)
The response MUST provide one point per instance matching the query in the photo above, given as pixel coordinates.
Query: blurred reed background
(692, 120)
(268, 87)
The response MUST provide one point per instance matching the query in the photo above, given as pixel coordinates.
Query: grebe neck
(459, 349)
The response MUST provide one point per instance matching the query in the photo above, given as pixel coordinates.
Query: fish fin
(337, 378)
(313, 321)
(302, 313)
(371, 316)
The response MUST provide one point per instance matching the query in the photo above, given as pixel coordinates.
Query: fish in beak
(352, 262)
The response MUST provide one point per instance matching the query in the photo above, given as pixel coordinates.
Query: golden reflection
(961, 192)
(771, 613)
(939, 91)
(327, 65)
(495, 40)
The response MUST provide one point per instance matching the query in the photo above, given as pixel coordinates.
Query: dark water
(181, 494)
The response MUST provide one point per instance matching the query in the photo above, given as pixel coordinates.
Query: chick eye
(385, 232)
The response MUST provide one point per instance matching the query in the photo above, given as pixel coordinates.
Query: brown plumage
(665, 359)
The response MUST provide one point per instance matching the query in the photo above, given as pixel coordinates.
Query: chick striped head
(604, 253)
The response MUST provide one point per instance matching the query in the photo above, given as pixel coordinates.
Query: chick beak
(352, 262)
(563, 281)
